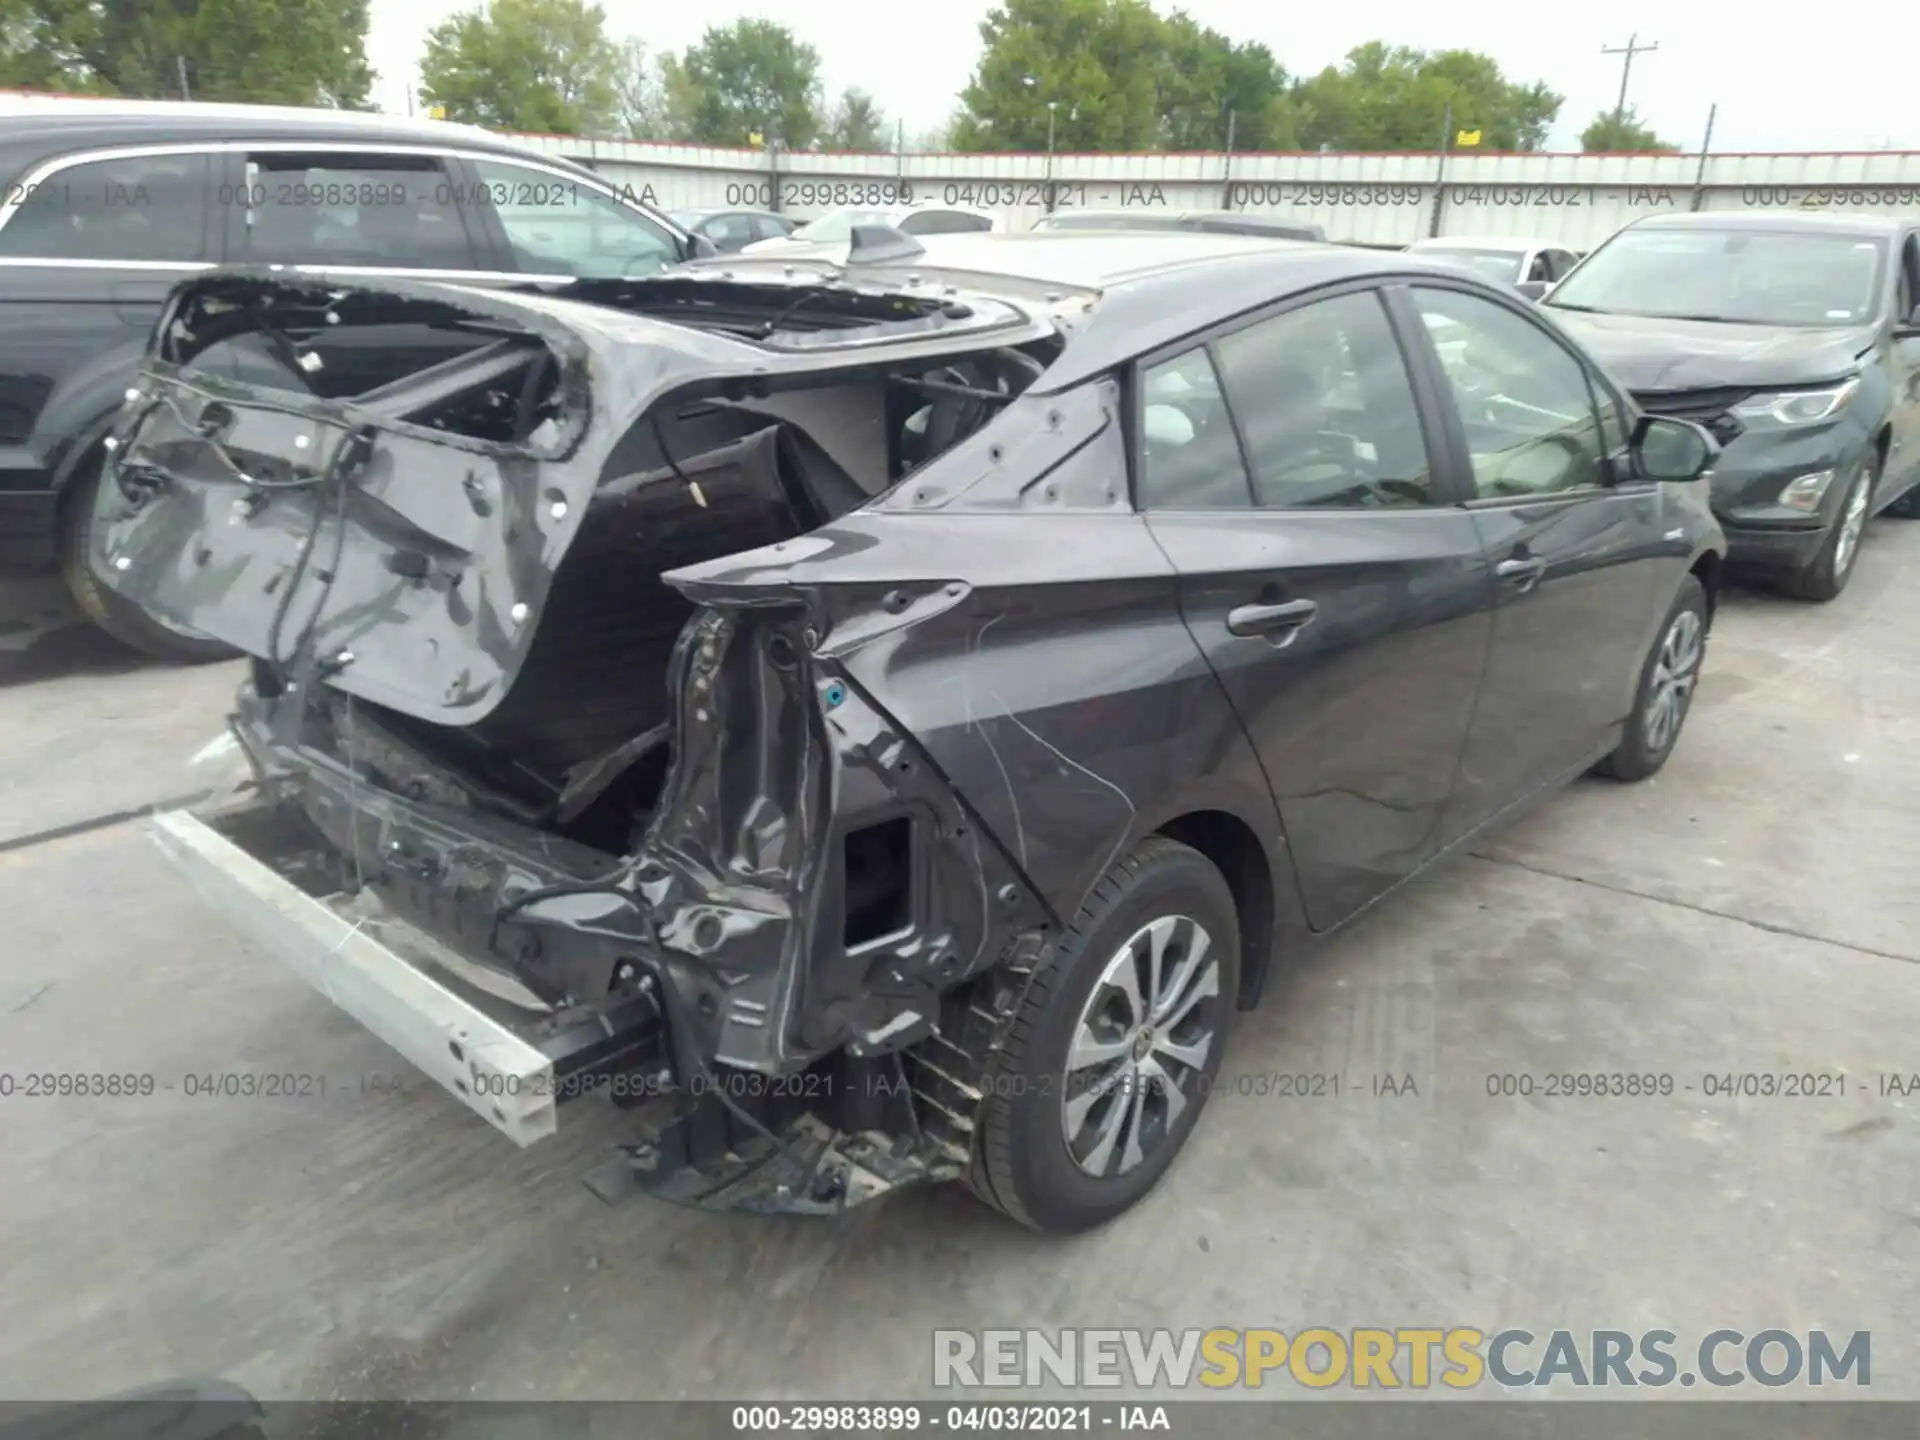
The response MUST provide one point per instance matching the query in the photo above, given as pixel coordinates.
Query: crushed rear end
(548, 799)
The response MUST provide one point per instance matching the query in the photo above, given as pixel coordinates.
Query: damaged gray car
(877, 722)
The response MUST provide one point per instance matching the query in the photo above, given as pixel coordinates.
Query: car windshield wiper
(1583, 309)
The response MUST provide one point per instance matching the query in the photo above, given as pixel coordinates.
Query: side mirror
(1909, 324)
(1533, 289)
(699, 247)
(1665, 448)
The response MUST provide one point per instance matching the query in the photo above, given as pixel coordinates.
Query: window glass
(771, 228)
(1189, 457)
(1323, 400)
(388, 211)
(1541, 269)
(1524, 399)
(943, 222)
(730, 231)
(1739, 276)
(149, 207)
(558, 225)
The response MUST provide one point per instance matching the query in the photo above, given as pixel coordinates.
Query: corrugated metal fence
(1577, 200)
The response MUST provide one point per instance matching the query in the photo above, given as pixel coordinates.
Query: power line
(1629, 50)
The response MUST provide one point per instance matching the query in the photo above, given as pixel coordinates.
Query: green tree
(1391, 97)
(1203, 77)
(745, 79)
(857, 124)
(1093, 63)
(289, 52)
(639, 93)
(1616, 132)
(539, 65)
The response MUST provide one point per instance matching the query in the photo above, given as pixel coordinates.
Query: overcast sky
(1782, 83)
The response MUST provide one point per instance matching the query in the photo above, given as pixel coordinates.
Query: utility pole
(180, 68)
(1629, 50)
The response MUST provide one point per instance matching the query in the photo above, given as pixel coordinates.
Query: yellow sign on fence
(1467, 137)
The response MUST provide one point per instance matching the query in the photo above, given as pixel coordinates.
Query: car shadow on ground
(68, 650)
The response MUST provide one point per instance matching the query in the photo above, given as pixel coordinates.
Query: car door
(1903, 372)
(1336, 587)
(1573, 538)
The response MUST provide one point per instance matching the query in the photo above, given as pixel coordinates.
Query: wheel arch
(1233, 847)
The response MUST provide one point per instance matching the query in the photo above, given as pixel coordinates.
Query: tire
(1827, 574)
(1649, 741)
(111, 612)
(1023, 1165)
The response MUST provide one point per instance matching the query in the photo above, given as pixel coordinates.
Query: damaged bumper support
(523, 974)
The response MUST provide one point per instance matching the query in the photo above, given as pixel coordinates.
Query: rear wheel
(1667, 680)
(1115, 1047)
(1827, 574)
(113, 613)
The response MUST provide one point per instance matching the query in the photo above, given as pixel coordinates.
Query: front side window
(1327, 411)
(559, 225)
(1524, 399)
(146, 207)
(393, 212)
(1738, 276)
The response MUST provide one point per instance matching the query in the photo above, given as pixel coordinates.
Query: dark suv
(107, 204)
(1796, 340)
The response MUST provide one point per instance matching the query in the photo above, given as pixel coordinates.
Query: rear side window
(144, 207)
(556, 225)
(396, 212)
(1323, 399)
(1189, 456)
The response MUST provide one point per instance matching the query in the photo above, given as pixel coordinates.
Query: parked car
(734, 230)
(1030, 669)
(1211, 222)
(830, 236)
(108, 203)
(1795, 338)
(1531, 266)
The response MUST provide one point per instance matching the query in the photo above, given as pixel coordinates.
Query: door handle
(1521, 574)
(1285, 617)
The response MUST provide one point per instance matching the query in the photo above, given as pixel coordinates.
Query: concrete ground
(1755, 908)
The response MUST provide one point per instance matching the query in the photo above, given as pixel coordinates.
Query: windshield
(1743, 277)
(1503, 265)
(839, 225)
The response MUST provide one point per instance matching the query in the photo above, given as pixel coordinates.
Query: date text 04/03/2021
(898, 1419)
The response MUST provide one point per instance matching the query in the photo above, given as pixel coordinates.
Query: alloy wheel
(1140, 1045)
(1853, 521)
(1675, 670)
